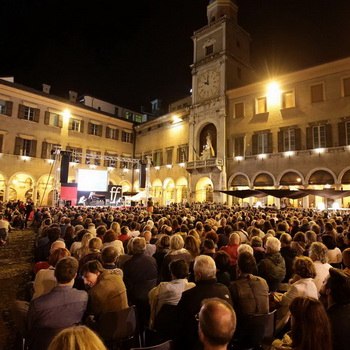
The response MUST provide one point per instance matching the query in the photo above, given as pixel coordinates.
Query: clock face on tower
(208, 84)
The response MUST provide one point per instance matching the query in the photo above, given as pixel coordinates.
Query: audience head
(234, 238)
(77, 338)
(95, 244)
(346, 257)
(247, 263)
(222, 261)
(53, 234)
(179, 269)
(138, 245)
(91, 271)
(56, 245)
(217, 322)
(57, 255)
(304, 267)
(273, 245)
(318, 252)
(338, 286)
(245, 248)
(204, 268)
(176, 242)
(310, 324)
(66, 269)
(285, 239)
(109, 255)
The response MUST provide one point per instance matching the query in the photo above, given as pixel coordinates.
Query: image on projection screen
(92, 180)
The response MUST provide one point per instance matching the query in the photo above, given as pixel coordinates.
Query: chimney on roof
(46, 88)
(73, 96)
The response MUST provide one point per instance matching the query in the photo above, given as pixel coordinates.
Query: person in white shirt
(169, 292)
(318, 254)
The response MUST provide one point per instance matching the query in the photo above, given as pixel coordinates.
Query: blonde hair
(77, 338)
(115, 226)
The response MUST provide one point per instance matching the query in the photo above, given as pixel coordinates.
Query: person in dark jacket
(190, 302)
(273, 267)
(337, 289)
(288, 254)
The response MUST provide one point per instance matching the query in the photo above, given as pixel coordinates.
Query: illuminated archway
(181, 190)
(23, 185)
(169, 191)
(204, 190)
(126, 185)
(156, 189)
(44, 187)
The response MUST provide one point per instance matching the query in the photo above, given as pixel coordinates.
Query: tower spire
(220, 8)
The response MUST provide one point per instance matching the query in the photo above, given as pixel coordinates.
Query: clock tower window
(209, 50)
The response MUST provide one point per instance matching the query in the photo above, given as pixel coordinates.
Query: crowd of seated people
(170, 262)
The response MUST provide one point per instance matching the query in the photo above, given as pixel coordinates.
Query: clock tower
(221, 61)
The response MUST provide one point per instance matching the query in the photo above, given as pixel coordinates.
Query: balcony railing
(205, 166)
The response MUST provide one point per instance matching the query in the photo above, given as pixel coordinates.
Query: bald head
(56, 245)
(217, 323)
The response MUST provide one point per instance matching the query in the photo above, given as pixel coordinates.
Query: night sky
(130, 53)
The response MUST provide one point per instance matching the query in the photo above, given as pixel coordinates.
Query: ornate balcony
(211, 165)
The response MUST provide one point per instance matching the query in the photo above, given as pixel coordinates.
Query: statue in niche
(208, 150)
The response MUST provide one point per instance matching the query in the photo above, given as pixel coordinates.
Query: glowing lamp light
(157, 167)
(25, 158)
(50, 161)
(258, 204)
(169, 166)
(273, 92)
(289, 154)
(262, 156)
(66, 115)
(137, 170)
(15, 181)
(319, 150)
(299, 179)
(182, 165)
(92, 166)
(110, 168)
(321, 206)
(327, 186)
(125, 170)
(239, 158)
(177, 119)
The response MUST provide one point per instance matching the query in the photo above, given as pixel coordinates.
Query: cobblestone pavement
(16, 261)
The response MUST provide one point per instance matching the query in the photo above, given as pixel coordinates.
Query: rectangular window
(239, 110)
(288, 100)
(92, 157)
(26, 147)
(29, 113)
(113, 133)
(111, 161)
(48, 150)
(55, 119)
(94, 129)
(347, 130)
(75, 155)
(317, 93)
(238, 147)
(169, 156)
(262, 143)
(127, 137)
(158, 158)
(261, 106)
(209, 50)
(138, 118)
(2, 107)
(289, 140)
(319, 136)
(76, 123)
(182, 154)
(346, 86)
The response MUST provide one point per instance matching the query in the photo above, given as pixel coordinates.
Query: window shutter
(44, 150)
(70, 125)
(9, 105)
(36, 115)
(329, 139)
(280, 141)
(60, 121)
(79, 150)
(18, 146)
(255, 144)
(107, 132)
(21, 111)
(87, 158)
(117, 134)
(33, 144)
(131, 138)
(89, 128)
(341, 134)
(47, 118)
(100, 129)
(1, 142)
(297, 133)
(309, 139)
(269, 143)
(82, 126)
